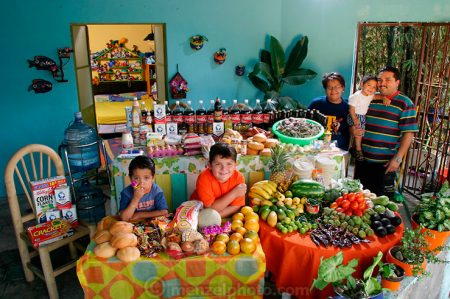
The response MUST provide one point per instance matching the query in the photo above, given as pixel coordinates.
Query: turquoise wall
(242, 27)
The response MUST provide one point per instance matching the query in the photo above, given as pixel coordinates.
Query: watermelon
(308, 189)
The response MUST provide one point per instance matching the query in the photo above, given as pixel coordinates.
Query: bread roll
(122, 240)
(102, 236)
(121, 227)
(265, 152)
(270, 142)
(252, 152)
(255, 145)
(128, 254)
(260, 137)
(106, 223)
(104, 250)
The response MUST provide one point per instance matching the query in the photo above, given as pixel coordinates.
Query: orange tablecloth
(206, 276)
(294, 259)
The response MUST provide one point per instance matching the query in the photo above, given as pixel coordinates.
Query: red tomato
(359, 197)
(362, 206)
(344, 204)
(334, 205)
(339, 209)
(349, 212)
(339, 200)
(351, 196)
(354, 205)
(345, 196)
(358, 213)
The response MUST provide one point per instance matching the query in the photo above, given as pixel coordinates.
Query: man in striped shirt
(388, 134)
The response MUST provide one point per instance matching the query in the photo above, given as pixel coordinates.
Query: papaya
(272, 219)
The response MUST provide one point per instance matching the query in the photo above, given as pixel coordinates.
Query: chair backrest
(32, 162)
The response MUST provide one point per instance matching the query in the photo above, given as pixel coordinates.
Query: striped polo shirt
(385, 125)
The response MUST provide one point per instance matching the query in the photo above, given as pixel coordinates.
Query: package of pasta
(186, 216)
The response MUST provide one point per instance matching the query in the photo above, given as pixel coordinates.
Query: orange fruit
(251, 234)
(219, 247)
(251, 215)
(247, 245)
(233, 247)
(222, 237)
(241, 230)
(252, 224)
(238, 216)
(246, 209)
(235, 224)
(236, 237)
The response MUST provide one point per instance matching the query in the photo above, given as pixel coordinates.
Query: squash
(208, 217)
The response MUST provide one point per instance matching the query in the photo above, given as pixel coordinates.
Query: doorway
(114, 64)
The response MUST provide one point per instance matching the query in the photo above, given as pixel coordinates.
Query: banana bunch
(262, 191)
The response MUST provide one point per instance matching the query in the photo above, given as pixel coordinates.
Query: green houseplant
(333, 271)
(391, 275)
(413, 253)
(273, 71)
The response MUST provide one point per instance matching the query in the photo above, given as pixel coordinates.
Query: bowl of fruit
(299, 131)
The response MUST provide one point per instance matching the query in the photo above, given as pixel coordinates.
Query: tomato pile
(350, 204)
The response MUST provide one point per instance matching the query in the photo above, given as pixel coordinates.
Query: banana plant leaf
(277, 57)
(298, 54)
(298, 77)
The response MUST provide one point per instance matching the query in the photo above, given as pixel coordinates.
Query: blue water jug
(81, 143)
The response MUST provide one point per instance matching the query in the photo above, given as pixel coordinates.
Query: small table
(205, 276)
(294, 259)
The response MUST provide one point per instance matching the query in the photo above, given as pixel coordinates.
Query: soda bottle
(226, 118)
(269, 112)
(235, 115)
(200, 118)
(168, 112)
(218, 110)
(189, 118)
(146, 116)
(210, 117)
(177, 117)
(257, 115)
(246, 117)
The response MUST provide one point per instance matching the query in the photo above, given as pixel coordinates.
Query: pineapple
(278, 168)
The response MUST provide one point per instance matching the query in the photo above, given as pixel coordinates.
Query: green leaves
(277, 56)
(298, 54)
(299, 77)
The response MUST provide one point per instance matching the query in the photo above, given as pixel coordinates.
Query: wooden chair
(34, 162)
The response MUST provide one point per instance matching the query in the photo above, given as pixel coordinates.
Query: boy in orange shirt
(220, 186)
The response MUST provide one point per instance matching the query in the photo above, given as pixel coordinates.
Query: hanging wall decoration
(48, 64)
(239, 70)
(40, 86)
(220, 56)
(178, 86)
(197, 41)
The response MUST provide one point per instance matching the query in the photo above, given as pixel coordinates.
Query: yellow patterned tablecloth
(206, 276)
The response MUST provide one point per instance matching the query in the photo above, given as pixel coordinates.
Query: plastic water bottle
(81, 142)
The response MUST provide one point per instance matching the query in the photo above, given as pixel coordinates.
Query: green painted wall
(32, 28)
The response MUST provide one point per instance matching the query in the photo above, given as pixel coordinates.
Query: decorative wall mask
(239, 70)
(178, 86)
(220, 56)
(197, 41)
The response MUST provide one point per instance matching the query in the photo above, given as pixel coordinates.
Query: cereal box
(44, 196)
(70, 215)
(62, 198)
(49, 232)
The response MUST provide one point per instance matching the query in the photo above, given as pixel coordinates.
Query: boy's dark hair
(223, 150)
(332, 76)
(391, 69)
(141, 162)
(367, 78)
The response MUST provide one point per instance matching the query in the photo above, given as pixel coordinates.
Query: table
(294, 259)
(206, 276)
(177, 175)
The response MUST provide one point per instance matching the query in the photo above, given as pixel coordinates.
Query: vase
(393, 283)
(437, 239)
(390, 258)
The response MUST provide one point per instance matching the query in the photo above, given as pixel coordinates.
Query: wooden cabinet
(150, 77)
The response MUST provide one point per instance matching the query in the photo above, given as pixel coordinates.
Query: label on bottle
(218, 115)
(177, 118)
(246, 118)
(218, 129)
(136, 118)
(258, 118)
(201, 118)
(236, 118)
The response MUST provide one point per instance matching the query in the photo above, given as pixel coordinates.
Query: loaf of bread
(260, 137)
(255, 145)
(102, 236)
(122, 240)
(271, 142)
(106, 223)
(121, 227)
(252, 152)
(265, 152)
(128, 254)
(104, 250)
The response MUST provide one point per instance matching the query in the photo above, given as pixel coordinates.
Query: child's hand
(138, 192)
(386, 101)
(240, 190)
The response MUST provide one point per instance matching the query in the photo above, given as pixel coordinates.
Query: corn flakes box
(43, 193)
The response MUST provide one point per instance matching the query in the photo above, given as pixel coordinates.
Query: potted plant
(391, 275)
(333, 271)
(413, 253)
(273, 71)
(433, 214)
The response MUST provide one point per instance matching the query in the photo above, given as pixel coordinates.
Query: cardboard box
(70, 215)
(49, 232)
(53, 214)
(62, 198)
(43, 192)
